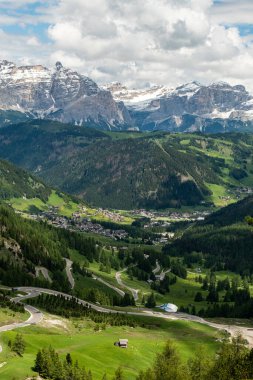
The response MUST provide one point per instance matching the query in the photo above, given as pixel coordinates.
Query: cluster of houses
(162, 218)
(104, 213)
(87, 226)
(79, 224)
(164, 237)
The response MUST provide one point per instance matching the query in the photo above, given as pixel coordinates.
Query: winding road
(120, 282)
(44, 272)
(157, 268)
(36, 315)
(71, 279)
(119, 291)
(247, 333)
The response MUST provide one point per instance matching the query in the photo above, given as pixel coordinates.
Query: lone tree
(18, 345)
(69, 359)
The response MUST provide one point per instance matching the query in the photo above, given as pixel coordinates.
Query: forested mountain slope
(224, 239)
(25, 244)
(133, 170)
(16, 182)
(231, 214)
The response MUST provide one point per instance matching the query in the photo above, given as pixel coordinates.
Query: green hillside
(26, 245)
(234, 213)
(27, 193)
(15, 183)
(125, 171)
(224, 239)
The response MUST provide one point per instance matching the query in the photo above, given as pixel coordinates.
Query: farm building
(123, 343)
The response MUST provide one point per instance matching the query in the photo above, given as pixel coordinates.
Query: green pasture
(96, 350)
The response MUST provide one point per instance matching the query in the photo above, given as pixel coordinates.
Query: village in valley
(84, 222)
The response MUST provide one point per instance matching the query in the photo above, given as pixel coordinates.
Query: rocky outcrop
(60, 94)
(191, 107)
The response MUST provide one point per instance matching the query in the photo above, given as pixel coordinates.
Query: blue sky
(26, 19)
(133, 41)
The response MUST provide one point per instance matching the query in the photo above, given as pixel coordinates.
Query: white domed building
(169, 307)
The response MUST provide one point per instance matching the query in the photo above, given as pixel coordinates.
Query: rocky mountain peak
(189, 107)
(58, 66)
(6, 68)
(61, 94)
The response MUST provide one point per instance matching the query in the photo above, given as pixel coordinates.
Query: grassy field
(95, 350)
(65, 205)
(220, 196)
(8, 316)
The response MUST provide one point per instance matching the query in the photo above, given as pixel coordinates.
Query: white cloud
(33, 41)
(141, 41)
(233, 12)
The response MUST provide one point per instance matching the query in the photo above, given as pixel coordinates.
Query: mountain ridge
(60, 94)
(191, 107)
(132, 170)
(64, 95)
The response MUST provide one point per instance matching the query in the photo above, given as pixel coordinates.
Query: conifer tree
(151, 302)
(18, 345)
(68, 359)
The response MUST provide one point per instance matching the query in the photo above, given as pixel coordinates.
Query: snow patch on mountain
(137, 98)
(60, 94)
(189, 107)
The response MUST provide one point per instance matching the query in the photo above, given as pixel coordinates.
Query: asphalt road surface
(119, 291)
(71, 279)
(36, 316)
(247, 333)
(120, 282)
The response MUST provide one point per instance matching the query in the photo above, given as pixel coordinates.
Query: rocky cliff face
(60, 94)
(191, 107)
(67, 96)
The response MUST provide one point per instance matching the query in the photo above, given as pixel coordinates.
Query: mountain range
(61, 94)
(192, 107)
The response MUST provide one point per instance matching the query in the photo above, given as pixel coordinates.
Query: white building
(169, 307)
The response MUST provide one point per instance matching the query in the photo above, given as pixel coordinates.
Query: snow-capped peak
(137, 98)
(188, 89)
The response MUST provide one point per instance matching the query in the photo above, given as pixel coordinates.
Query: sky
(136, 42)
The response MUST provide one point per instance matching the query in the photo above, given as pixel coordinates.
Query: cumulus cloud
(144, 41)
(233, 12)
